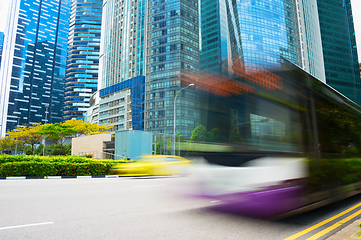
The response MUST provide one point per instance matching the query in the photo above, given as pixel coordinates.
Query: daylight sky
(356, 8)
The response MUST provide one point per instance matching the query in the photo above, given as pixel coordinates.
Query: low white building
(113, 109)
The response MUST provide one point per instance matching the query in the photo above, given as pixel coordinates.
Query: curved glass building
(83, 57)
(270, 31)
(221, 37)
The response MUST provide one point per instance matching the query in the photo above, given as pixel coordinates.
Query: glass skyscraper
(269, 32)
(339, 47)
(33, 63)
(1, 45)
(83, 57)
(172, 53)
(159, 40)
(282, 28)
(221, 37)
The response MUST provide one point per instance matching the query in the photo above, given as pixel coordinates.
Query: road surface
(133, 208)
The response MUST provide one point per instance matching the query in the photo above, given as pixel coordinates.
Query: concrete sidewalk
(348, 233)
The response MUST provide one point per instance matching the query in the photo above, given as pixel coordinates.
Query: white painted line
(160, 185)
(26, 225)
(84, 177)
(111, 176)
(15, 178)
(54, 177)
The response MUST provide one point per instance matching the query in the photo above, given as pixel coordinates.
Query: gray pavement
(348, 233)
(124, 208)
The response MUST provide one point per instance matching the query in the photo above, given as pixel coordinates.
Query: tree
(65, 150)
(58, 132)
(163, 148)
(26, 135)
(7, 144)
(86, 128)
(215, 135)
(236, 138)
(181, 138)
(199, 134)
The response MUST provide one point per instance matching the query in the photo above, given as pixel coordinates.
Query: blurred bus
(274, 142)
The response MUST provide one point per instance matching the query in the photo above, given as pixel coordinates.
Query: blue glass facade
(1, 45)
(137, 89)
(160, 40)
(269, 30)
(220, 34)
(123, 41)
(339, 47)
(173, 52)
(261, 34)
(34, 71)
(83, 57)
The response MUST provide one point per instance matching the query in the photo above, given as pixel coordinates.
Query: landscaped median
(38, 166)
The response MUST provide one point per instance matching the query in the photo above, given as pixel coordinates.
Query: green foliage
(61, 150)
(7, 144)
(331, 173)
(21, 165)
(199, 134)
(215, 135)
(236, 138)
(181, 137)
(339, 131)
(359, 225)
(26, 135)
(58, 132)
(161, 147)
(50, 149)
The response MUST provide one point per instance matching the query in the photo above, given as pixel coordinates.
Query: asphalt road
(127, 208)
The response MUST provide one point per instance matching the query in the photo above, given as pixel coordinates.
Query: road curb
(57, 177)
(349, 232)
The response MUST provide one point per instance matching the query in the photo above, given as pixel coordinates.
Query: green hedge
(73, 159)
(21, 165)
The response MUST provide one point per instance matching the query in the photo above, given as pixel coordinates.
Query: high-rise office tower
(269, 31)
(1, 45)
(159, 40)
(83, 57)
(339, 47)
(33, 62)
(221, 37)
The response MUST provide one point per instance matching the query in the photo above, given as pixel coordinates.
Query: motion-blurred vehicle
(154, 165)
(274, 142)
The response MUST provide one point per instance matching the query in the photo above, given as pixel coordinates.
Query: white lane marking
(26, 225)
(15, 178)
(160, 185)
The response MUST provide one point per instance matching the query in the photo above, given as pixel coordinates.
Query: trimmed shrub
(21, 165)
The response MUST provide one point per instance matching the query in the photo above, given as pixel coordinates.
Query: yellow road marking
(329, 229)
(322, 223)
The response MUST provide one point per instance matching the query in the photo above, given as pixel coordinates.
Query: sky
(356, 8)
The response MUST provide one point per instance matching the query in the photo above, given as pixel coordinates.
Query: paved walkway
(348, 233)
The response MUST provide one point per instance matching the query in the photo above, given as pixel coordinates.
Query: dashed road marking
(26, 225)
